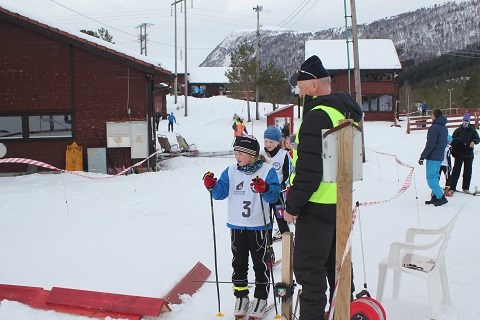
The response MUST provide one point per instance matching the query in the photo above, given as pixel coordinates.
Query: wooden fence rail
(415, 123)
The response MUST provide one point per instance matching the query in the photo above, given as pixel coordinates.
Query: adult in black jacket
(465, 138)
(311, 202)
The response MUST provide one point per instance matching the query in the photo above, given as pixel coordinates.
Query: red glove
(259, 185)
(208, 180)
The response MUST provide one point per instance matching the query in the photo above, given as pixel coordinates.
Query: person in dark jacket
(434, 152)
(468, 136)
(311, 201)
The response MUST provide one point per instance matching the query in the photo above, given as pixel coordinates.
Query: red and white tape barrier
(406, 184)
(77, 173)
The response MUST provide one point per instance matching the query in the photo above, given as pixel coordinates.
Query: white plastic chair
(403, 258)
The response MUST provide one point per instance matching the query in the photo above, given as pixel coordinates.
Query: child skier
(247, 183)
(280, 160)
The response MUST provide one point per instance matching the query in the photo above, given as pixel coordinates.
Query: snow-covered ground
(139, 234)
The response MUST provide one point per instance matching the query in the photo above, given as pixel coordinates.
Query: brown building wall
(41, 75)
(34, 72)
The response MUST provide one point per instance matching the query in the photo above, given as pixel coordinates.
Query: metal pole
(257, 92)
(175, 82)
(450, 95)
(186, 61)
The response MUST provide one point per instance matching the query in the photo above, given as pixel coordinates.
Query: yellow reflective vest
(326, 192)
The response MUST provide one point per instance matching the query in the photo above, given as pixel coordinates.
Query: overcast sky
(208, 21)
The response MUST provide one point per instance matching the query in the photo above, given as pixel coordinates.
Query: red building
(57, 87)
(379, 70)
(282, 117)
(207, 81)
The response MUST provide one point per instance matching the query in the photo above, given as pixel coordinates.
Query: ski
(475, 193)
(269, 308)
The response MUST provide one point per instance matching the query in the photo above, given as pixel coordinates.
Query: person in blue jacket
(250, 185)
(434, 153)
(171, 119)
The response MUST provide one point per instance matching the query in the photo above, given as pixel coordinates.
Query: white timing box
(330, 155)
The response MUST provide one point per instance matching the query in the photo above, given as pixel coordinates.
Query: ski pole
(219, 314)
(269, 247)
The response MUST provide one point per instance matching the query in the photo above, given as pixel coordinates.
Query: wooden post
(408, 123)
(287, 272)
(344, 218)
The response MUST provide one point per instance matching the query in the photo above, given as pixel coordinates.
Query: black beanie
(312, 68)
(247, 144)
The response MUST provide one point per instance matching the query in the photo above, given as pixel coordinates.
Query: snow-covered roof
(373, 54)
(74, 34)
(208, 75)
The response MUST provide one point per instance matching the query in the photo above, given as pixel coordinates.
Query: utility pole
(356, 62)
(356, 70)
(143, 37)
(175, 81)
(257, 93)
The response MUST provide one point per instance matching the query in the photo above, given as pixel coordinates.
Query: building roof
(208, 75)
(280, 109)
(93, 44)
(374, 54)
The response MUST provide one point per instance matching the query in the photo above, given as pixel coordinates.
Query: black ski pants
(170, 126)
(313, 242)
(281, 223)
(331, 270)
(253, 242)
(467, 173)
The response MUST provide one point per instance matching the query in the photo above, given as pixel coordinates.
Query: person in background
(250, 184)
(424, 108)
(158, 116)
(434, 153)
(280, 160)
(171, 119)
(465, 138)
(286, 129)
(239, 128)
(311, 201)
(446, 166)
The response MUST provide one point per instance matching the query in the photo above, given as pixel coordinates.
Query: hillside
(418, 35)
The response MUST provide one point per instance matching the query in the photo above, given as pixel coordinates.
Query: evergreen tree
(105, 35)
(101, 34)
(273, 83)
(471, 92)
(242, 75)
(90, 32)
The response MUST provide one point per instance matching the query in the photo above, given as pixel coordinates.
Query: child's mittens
(208, 180)
(259, 185)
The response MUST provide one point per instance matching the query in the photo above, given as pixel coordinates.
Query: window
(377, 103)
(377, 77)
(385, 103)
(50, 126)
(35, 127)
(11, 127)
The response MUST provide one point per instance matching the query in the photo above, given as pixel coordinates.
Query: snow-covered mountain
(418, 35)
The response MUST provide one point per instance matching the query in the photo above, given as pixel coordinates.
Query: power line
(292, 13)
(92, 19)
(308, 10)
(290, 19)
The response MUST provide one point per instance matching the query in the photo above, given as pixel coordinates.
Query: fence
(424, 122)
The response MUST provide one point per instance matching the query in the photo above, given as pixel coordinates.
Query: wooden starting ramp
(103, 304)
